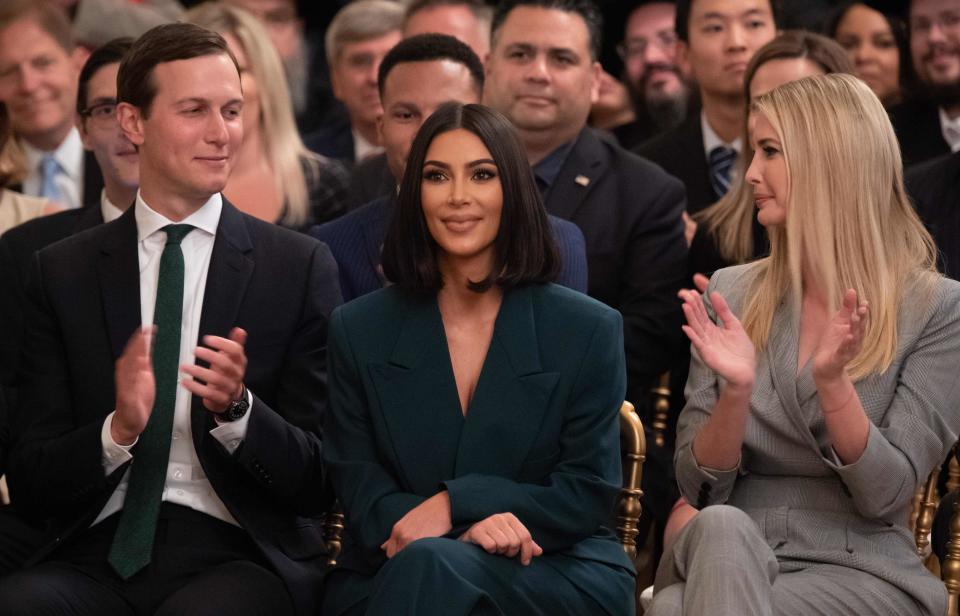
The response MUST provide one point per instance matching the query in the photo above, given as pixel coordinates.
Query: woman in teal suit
(473, 431)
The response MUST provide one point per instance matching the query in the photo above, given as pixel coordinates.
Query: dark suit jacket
(357, 239)
(17, 247)
(917, 124)
(934, 187)
(92, 180)
(371, 179)
(333, 141)
(630, 213)
(680, 152)
(85, 305)
(540, 438)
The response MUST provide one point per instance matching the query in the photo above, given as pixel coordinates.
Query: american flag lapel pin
(582, 180)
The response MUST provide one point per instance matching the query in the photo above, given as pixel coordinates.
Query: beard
(944, 95)
(665, 111)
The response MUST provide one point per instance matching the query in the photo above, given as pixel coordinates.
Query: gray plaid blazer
(808, 505)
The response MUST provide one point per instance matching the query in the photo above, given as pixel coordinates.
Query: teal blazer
(540, 439)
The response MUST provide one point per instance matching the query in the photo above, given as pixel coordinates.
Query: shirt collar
(362, 148)
(549, 167)
(109, 211)
(950, 129)
(149, 221)
(711, 140)
(69, 154)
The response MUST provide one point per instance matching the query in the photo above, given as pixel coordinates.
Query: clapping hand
(726, 348)
(842, 339)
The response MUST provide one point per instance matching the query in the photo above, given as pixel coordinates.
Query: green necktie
(133, 540)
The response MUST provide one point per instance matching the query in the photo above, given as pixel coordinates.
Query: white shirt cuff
(231, 433)
(114, 455)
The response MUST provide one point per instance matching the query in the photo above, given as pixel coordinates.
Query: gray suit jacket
(810, 507)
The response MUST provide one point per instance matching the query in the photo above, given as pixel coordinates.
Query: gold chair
(924, 512)
(633, 451)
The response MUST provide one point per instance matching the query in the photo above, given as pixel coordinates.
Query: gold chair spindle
(661, 409)
(926, 514)
(634, 452)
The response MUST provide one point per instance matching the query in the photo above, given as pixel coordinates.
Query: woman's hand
(842, 339)
(431, 518)
(727, 350)
(502, 533)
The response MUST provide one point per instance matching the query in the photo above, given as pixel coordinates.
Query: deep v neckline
(472, 398)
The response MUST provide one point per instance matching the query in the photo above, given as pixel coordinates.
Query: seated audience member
(543, 75)
(654, 77)
(928, 126)
(717, 38)
(95, 22)
(473, 424)
(876, 41)
(416, 77)
(300, 47)
(728, 232)
(935, 191)
(275, 178)
(38, 84)
(97, 123)
(613, 108)
(15, 207)
(466, 20)
(356, 41)
(823, 395)
(204, 513)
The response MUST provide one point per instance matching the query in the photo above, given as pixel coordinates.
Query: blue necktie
(49, 168)
(721, 164)
(132, 546)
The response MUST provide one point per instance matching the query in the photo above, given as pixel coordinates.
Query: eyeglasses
(101, 114)
(635, 47)
(948, 21)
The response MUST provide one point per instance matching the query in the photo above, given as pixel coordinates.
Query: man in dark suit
(716, 40)
(417, 76)
(96, 101)
(175, 459)
(929, 125)
(38, 86)
(934, 187)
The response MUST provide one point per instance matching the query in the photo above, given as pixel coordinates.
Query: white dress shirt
(363, 149)
(109, 211)
(186, 484)
(70, 179)
(950, 129)
(712, 140)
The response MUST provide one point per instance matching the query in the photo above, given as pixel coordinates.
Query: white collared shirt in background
(363, 149)
(108, 210)
(712, 140)
(70, 179)
(950, 129)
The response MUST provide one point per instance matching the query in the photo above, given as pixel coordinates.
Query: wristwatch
(238, 408)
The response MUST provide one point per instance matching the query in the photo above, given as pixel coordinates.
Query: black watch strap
(237, 408)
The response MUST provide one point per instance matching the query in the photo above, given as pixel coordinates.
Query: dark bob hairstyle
(524, 251)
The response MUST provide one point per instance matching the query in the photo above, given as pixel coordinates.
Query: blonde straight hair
(849, 223)
(284, 149)
(730, 220)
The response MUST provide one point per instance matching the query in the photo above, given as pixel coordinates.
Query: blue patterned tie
(132, 546)
(49, 168)
(721, 164)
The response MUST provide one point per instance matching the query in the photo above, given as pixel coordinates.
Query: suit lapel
(227, 278)
(511, 397)
(89, 217)
(579, 174)
(418, 398)
(118, 269)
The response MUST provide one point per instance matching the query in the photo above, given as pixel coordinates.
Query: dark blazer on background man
(356, 241)
(85, 305)
(333, 141)
(539, 439)
(630, 213)
(917, 124)
(680, 152)
(371, 179)
(934, 187)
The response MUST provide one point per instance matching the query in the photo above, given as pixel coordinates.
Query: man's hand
(431, 518)
(222, 382)
(136, 388)
(503, 533)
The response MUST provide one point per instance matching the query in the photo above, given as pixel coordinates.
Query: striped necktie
(721, 164)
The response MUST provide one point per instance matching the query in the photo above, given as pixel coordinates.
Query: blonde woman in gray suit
(822, 388)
